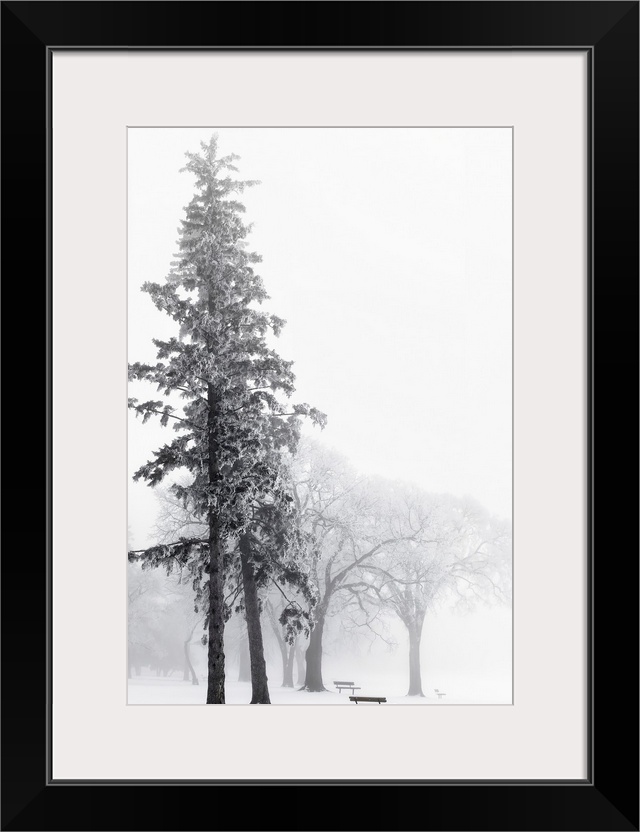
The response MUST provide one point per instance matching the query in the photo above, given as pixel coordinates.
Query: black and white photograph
(338, 327)
(320, 416)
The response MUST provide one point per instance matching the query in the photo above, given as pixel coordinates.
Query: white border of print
(96, 95)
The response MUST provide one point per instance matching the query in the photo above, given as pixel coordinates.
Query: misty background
(388, 252)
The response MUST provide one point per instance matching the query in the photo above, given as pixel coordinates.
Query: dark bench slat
(346, 684)
(377, 699)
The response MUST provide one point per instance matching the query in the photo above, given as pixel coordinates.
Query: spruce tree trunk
(313, 678)
(244, 670)
(287, 678)
(259, 687)
(415, 677)
(215, 684)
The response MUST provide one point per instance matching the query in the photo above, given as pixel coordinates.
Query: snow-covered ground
(154, 690)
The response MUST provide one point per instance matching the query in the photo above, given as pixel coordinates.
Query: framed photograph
(441, 201)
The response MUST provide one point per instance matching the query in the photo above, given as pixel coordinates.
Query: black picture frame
(608, 798)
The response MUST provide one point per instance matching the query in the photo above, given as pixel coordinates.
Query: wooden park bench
(346, 686)
(377, 699)
(440, 693)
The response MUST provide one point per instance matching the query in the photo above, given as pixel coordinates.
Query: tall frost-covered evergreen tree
(231, 423)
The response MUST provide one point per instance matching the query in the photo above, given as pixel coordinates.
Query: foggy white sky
(388, 252)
